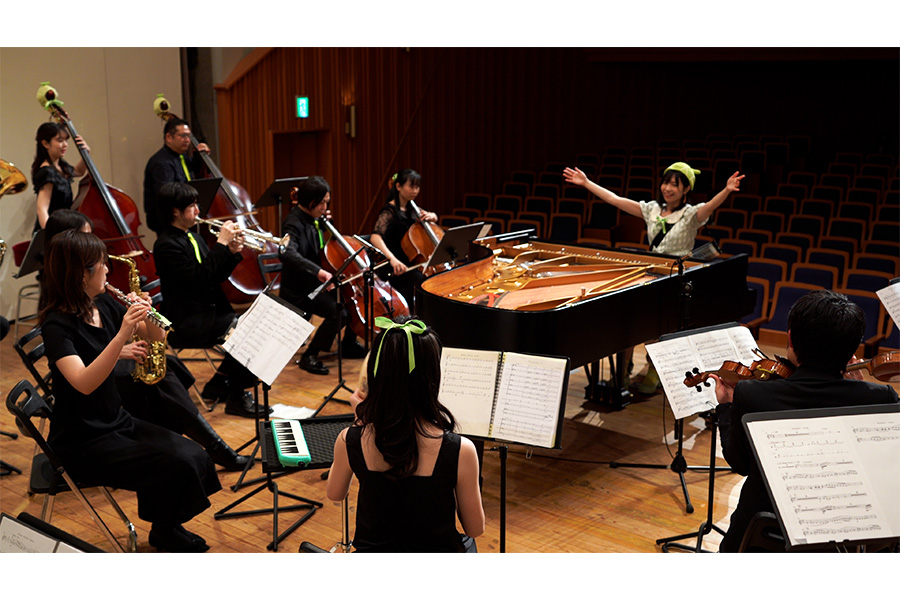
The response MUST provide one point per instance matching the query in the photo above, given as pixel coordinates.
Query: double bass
(114, 214)
(232, 202)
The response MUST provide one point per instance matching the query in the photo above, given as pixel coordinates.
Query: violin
(883, 367)
(732, 372)
(114, 214)
(421, 239)
(232, 202)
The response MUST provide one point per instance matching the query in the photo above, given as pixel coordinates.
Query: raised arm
(577, 177)
(733, 185)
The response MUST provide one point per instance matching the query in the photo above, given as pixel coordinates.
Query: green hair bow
(410, 327)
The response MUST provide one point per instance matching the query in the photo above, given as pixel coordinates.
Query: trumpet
(253, 239)
(152, 315)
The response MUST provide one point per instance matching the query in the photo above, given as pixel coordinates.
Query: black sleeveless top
(413, 514)
(61, 195)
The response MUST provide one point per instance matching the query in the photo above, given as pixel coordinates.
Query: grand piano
(536, 297)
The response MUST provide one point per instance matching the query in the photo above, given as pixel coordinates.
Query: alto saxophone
(153, 369)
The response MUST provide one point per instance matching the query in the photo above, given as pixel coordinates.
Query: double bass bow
(232, 202)
(114, 214)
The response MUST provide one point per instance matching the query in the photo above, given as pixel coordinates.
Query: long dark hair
(399, 403)
(312, 191)
(399, 179)
(68, 257)
(46, 132)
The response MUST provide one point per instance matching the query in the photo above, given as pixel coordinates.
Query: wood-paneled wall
(462, 117)
(465, 118)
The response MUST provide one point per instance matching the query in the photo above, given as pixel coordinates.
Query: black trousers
(325, 305)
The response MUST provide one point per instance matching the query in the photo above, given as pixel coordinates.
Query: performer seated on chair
(166, 403)
(302, 273)
(415, 475)
(824, 330)
(84, 331)
(190, 276)
(391, 226)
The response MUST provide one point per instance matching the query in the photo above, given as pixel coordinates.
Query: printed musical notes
(267, 336)
(832, 478)
(705, 351)
(890, 297)
(504, 395)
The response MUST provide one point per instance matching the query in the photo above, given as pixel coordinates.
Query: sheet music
(833, 478)
(890, 297)
(18, 537)
(528, 399)
(468, 380)
(266, 337)
(705, 351)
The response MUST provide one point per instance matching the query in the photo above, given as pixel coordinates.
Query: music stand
(335, 279)
(455, 244)
(206, 192)
(34, 256)
(277, 192)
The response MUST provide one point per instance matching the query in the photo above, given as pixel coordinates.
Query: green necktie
(319, 231)
(184, 166)
(196, 247)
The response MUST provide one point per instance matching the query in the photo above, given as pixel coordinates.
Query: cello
(114, 214)
(421, 240)
(232, 202)
(384, 300)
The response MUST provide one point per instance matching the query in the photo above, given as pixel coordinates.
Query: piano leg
(613, 393)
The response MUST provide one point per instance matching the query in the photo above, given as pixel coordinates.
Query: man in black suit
(191, 277)
(169, 164)
(824, 330)
(302, 273)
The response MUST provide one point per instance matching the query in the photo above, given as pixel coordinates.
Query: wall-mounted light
(350, 124)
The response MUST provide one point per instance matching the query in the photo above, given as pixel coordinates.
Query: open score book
(505, 396)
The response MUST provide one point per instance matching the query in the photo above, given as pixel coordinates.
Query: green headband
(686, 170)
(410, 327)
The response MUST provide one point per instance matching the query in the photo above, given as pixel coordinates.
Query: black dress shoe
(242, 406)
(313, 365)
(353, 350)
(215, 388)
(170, 539)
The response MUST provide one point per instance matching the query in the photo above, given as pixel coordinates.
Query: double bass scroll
(232, 202)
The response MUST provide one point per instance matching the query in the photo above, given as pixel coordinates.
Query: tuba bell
(12, 180)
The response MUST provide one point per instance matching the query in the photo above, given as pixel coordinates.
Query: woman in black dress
(50, 173)
(391, 226)
(415, 475)
(84, 331)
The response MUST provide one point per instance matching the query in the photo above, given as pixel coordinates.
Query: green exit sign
(302, 107)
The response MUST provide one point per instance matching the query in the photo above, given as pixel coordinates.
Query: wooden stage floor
(565, 501)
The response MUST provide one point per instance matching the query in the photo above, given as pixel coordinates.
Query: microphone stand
(369, 280)
(335, 279)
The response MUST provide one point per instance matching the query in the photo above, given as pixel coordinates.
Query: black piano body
(595, 328)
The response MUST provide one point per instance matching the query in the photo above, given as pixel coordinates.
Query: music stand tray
(278, 191)
(34, 256)
(455, 244)
(206, 192)
(320, 434)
